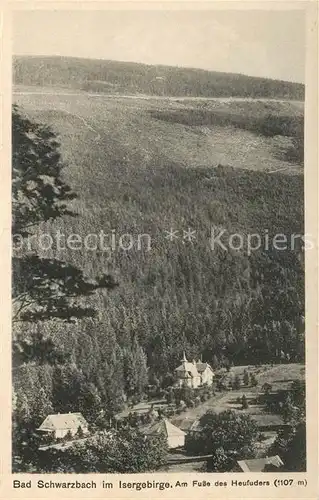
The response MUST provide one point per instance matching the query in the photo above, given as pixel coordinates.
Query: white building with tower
(193, 374)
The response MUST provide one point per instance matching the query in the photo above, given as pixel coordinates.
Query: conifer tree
(246, 377)
(23, 410)
(244, 402)
(215, 362)
(43, 288)
(253, 380)
(42, 406)
(135, 369)
(236, 383)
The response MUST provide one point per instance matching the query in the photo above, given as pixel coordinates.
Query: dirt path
(156, 97)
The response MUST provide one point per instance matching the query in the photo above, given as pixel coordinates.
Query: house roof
(201, 367)
(187, 367)
(164, 427)
(268, 420)
(183, 423)
(184, 374)
(258, 464)
(63, 421)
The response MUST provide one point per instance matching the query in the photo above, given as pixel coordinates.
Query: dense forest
(133, 78)
(230, 306)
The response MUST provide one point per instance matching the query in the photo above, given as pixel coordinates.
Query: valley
(208, 152)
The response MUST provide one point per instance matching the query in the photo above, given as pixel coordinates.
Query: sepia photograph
(158, 241)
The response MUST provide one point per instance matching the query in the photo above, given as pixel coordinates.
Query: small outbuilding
(267, 464)
(175, 436)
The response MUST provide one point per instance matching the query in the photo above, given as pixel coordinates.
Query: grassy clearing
(279, 376)
(130, 134)
(261, 118)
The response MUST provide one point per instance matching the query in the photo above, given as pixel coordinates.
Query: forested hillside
(146, 168)
(135, 78)
(228, 306)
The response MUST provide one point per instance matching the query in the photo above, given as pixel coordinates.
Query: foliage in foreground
(124, 451)
(291, 442)
(227, 436)
(43, 288)
(291, 446)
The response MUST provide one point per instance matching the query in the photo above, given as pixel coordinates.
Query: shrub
(296, 152)
(266, 388)
(80, 433)
(244, 402)
(236, 433)
(190, 403)
(182, 405)
(68, 436)
(290, 445)
(236, 383)
(246, 378)
(127, 452)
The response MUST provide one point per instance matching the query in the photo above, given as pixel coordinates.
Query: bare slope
(144, 133)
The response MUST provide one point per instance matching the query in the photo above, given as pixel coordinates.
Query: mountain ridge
(120, 76)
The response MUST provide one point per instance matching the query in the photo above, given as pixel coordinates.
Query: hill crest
(119, 77)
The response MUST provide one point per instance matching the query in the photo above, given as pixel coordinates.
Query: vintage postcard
(159, 250)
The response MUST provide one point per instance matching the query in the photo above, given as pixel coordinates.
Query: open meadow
(140, 132)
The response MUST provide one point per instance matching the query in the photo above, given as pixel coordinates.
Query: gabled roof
(184, 374)
(164, 427)
(185, 424)
(259, 464)
(201, 367)
(63, 421)
(187, 367)
(268, 420)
